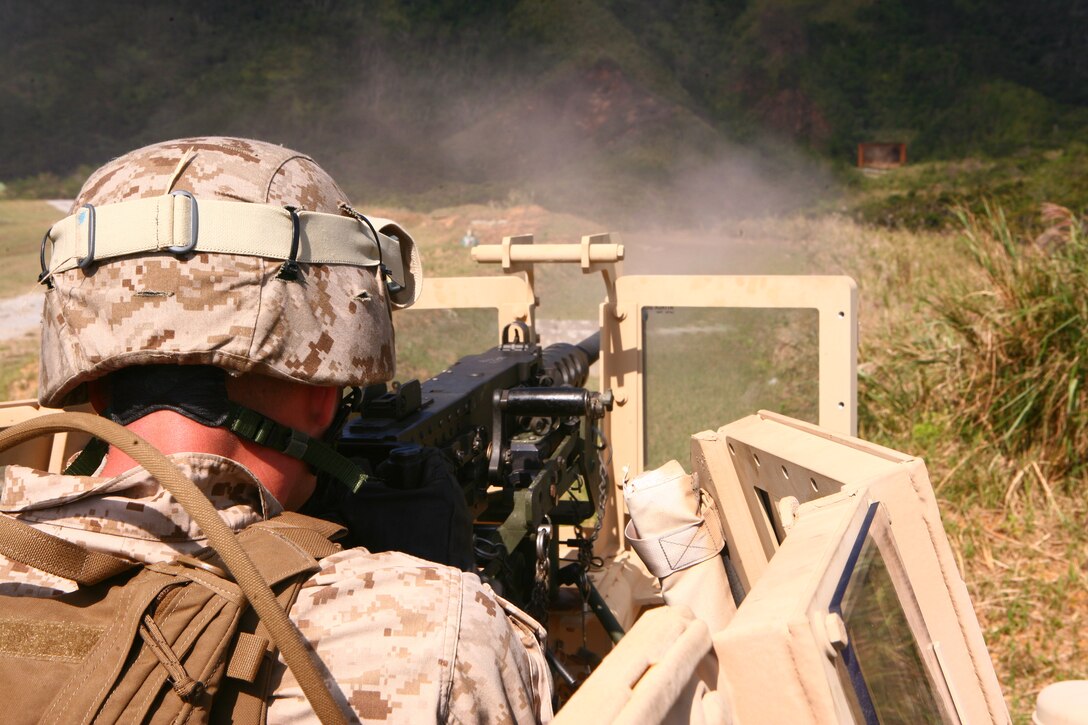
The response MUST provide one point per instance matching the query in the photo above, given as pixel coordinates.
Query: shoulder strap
(23, 543)
(285, 550)
(317, 537)
(288, 545)
(296, 651)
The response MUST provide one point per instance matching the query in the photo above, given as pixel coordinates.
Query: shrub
(1013, 347)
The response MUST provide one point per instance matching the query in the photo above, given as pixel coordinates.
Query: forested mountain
(417, 95)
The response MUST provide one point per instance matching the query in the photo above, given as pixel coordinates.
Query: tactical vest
(170, 642)
(158, 643)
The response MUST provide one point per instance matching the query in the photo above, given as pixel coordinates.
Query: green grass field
(22, 225)
(706, 367)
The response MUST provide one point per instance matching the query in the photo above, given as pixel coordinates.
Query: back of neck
(289, 479)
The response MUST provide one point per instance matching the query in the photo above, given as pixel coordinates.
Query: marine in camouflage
(402, 639)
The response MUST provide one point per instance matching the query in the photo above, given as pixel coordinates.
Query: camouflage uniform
(404, 640)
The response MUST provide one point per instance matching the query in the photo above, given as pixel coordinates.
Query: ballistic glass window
(883, 667)
(705, 366)
(429, 341)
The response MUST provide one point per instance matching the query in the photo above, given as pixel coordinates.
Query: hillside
(613, 103)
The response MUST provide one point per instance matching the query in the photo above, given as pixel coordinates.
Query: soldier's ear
(99, 393)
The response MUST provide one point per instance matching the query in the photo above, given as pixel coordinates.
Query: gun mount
(775, 493)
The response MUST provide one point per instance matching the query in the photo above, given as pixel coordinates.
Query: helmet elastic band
(169, 223)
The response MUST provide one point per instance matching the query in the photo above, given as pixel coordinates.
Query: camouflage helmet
(220, 251)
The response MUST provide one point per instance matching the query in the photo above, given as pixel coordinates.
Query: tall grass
(1019, 340)
(1000, 359)
(974, 350)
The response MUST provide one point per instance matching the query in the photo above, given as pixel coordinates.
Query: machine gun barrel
(515, 428)
(567, 364)
(458, 401)
(591, 346)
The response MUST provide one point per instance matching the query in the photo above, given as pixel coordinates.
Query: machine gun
(519, 434)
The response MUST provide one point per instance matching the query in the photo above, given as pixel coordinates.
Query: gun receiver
(519, 432)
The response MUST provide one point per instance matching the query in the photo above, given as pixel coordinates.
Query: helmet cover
(330, 327)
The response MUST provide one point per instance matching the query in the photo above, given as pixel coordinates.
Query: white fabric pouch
(676, 531)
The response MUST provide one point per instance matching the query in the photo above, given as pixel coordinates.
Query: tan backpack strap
(243, 697)
(23, 543)
(294, 519)
(275, 555)
(283, 632)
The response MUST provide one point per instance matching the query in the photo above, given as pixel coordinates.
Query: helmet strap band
(250, 425)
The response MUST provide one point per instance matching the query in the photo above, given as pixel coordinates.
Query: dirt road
(20, 315)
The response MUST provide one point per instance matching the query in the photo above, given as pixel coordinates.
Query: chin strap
(250, 425)
(89, 459)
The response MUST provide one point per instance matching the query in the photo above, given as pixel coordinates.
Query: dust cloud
(591, 142)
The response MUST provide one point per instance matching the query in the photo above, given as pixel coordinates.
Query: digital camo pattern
(130, 515)
(404, 640)
(411, 641)
(232, 169)
(331, 327)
